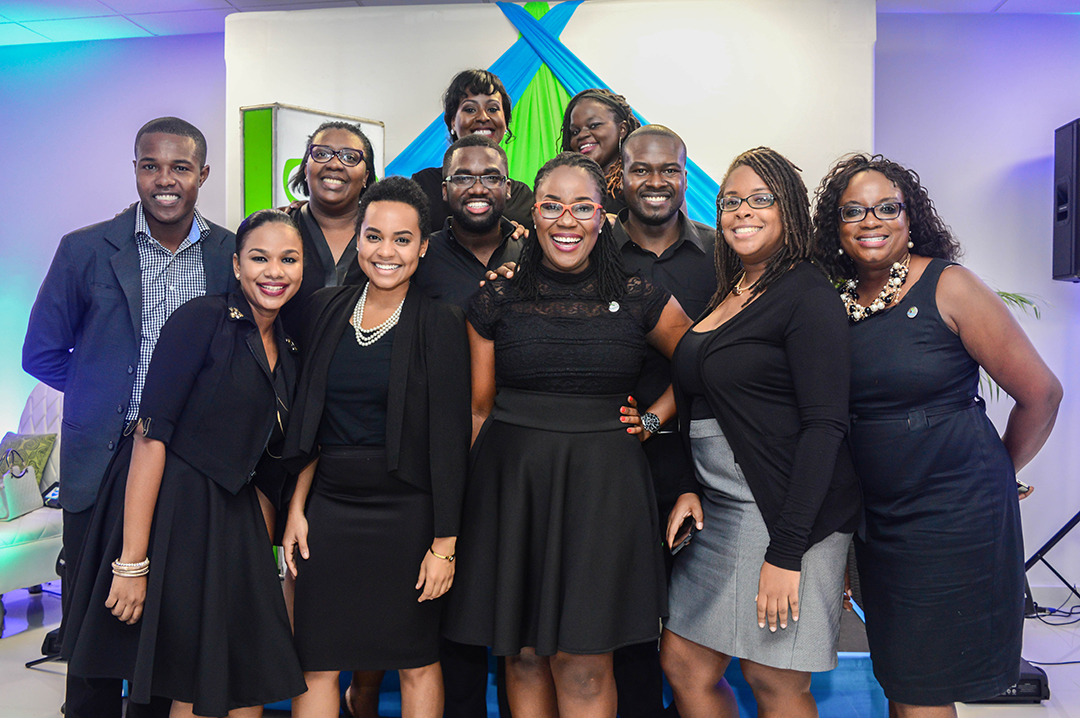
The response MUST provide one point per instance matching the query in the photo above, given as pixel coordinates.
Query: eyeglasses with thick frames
(550, 209)
(467, 181)
(348, 156)
(856, 213)
(730, 203)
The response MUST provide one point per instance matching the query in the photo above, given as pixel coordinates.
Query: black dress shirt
(687, 270)
(451, 273)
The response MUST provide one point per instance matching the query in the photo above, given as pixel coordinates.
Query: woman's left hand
(632, 417)
(436, 574)
(778, 589)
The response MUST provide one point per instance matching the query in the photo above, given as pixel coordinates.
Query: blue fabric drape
(516, 68)
(576, 76)
(539, 43)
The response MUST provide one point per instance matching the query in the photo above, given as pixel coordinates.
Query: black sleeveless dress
(941, 556)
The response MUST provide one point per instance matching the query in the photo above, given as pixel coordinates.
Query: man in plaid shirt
(95, 321)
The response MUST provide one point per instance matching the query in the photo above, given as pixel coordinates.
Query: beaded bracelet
(131, 570)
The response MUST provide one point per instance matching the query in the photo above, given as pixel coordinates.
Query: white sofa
(30, 544)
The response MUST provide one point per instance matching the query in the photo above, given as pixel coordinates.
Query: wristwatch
(650, 422)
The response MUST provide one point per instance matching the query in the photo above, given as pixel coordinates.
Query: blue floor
(849, 691)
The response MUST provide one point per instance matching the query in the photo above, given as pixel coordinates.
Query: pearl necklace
(850, 297)
(367, 337)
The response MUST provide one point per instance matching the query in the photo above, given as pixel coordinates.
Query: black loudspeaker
(1066, 224)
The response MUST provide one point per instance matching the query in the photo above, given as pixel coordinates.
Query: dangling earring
(840, 252)
(910, 244)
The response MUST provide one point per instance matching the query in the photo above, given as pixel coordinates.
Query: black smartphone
(686, 532)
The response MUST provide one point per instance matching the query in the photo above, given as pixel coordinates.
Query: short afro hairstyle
(397, 189)
(474, 82)
(298, 182)
(178, 127)
(652, 131)
(471, 141)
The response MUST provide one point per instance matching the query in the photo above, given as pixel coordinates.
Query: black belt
(918, 418)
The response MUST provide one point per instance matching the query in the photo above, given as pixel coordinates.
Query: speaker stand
(1040, 555)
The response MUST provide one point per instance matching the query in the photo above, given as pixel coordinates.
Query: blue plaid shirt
(168, 280)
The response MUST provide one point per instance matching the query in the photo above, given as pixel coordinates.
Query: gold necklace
(737, 289)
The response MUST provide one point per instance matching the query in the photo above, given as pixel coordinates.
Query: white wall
(68, 117)
(971, 102)
(726, 76)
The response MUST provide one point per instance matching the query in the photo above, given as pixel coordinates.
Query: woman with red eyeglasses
(560, 542)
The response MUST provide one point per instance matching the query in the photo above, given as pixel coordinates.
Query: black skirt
(214, 630)
(560, 546)
(356, 598)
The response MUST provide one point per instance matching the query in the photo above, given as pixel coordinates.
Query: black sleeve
(817, 344)
(483, 312)
(652, 298)
(179, 356)
(449, 412)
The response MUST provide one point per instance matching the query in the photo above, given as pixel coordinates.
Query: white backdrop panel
(727, 75)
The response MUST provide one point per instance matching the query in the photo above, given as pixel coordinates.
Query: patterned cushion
(34, 449)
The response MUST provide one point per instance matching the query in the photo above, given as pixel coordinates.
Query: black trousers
(639, 680)
(94, 697)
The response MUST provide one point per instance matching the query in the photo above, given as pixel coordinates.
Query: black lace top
(569, 340)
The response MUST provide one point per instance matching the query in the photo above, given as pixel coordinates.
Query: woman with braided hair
(761, 384)
(595, 124)
(559, 562)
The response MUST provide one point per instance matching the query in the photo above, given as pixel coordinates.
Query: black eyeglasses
(856, 213)
(348, 156)
(730, 203)
(467, 181)
(550, 209)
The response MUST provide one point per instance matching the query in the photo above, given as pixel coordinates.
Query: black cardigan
(428, 418)
(209, 395)
(777, 381)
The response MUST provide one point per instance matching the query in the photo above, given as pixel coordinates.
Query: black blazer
(428, 416)
(83, 339)
(210, 396)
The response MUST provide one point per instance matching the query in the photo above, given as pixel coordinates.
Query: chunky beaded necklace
(367, 337)
(850, 297)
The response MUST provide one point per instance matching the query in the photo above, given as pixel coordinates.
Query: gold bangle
(449, 558)
(131, 570)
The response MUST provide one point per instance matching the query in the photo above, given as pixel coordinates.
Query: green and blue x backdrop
(540, 74)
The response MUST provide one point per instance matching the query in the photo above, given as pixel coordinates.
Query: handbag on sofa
(19, 491)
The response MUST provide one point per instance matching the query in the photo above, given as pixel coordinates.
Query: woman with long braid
(559, 562)
(762, 389)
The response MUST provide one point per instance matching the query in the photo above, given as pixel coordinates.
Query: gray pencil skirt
(713, 593)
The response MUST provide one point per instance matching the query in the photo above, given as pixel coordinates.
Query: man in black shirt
(476, 237)
(658, 241)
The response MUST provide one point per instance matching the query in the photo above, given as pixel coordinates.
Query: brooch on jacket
(235, 313)
(292, 346)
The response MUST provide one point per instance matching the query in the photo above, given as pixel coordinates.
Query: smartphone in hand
(686, 532)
